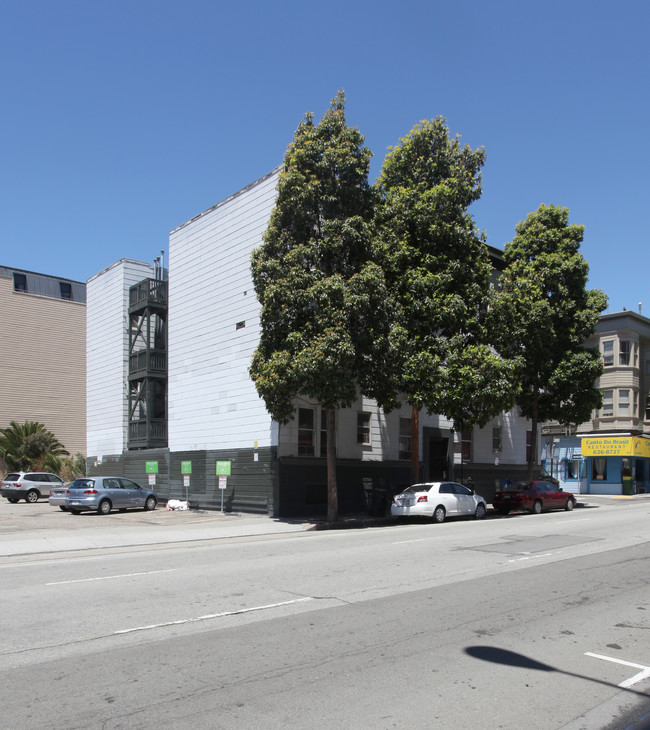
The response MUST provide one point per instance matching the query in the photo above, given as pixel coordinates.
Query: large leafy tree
(28, 446)
(544, 313)
(438, 270)
(323, 298)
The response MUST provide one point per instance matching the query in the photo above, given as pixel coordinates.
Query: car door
(135, 495)
(465, 500)
(448, 498)
(554, 497)
(114, 490)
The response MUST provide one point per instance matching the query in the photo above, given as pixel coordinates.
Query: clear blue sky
(122, 119)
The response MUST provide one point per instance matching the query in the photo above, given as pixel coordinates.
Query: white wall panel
(107, 355)
(212, 402)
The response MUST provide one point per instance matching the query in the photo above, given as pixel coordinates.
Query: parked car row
(436, 500)
(439, 500)
(100, 494)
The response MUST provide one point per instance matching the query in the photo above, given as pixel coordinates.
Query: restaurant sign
(615, 446)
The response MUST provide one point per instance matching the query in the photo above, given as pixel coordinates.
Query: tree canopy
(323, 297)
(544, 313)
(438, 271)
(28, 446)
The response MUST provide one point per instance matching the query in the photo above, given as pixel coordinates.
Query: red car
(533, 496)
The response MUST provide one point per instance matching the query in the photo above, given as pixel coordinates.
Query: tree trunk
(415, 444)
(533, 435)
(332, 493)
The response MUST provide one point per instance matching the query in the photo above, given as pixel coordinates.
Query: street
(518, 622)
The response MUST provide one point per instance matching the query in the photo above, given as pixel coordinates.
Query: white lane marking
(644, 674)
(214, 615)
(530, 557)
(110, 577)
(420, 539)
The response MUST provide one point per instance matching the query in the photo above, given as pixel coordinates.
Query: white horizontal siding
(107, 355)
(212, 402)
(513, 440)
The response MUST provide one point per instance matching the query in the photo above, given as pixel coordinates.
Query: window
(647, 407)
(66, 290)
(608, 403)
(404, 438)
(363, 428)
(608, 352)
(635, 403)
(624, 352)
(496, 439)
(573, 469)
(465, 446)
(599, 468)
(624, 402)
(20, 282)
(305, 432)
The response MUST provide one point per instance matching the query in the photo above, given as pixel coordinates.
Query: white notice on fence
(222, 482)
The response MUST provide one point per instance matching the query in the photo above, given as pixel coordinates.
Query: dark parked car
(106, 493)
(532, 496)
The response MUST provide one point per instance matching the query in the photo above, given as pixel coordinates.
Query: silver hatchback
(102, 494)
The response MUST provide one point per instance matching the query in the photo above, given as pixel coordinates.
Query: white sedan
(438, 500)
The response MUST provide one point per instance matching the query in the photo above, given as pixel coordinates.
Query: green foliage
(323, 318)
(438, 271)
(28, 446)
(544, 312)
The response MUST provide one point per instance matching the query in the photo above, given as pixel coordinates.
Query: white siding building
(107, 357)
(213, 411)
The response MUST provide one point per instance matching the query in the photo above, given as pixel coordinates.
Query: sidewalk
(160, 527)
(194, 526)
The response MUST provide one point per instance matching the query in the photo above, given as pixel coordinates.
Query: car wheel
(150, 503)
(13, 500)
(75, 511)
(63, 508)
(480, 511)
(503, 512)
(104, 507)
(537, 507)
(570, 504)
(31, 496)
(439, 514)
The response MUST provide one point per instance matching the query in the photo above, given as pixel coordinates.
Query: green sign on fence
(223, 468)
(186, 467)
(151, 467)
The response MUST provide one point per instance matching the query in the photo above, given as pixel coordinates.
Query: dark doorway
(438, 462)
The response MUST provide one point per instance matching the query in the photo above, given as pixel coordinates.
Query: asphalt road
(519, 622)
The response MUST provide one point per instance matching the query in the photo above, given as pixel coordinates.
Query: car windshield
(518, 487)
(82, 484)
(11, 478)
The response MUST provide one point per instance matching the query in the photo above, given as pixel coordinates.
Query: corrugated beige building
(43, 362)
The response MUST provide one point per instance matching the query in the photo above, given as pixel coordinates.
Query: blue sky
(123, 119)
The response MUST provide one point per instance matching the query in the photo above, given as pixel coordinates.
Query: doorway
(438, 466)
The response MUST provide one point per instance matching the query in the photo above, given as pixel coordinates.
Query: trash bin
(628, 485)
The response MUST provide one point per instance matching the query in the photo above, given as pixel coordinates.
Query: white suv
(28, 485)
